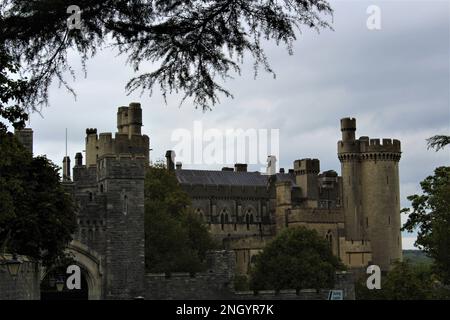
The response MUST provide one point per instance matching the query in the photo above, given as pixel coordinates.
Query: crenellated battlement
(128, 139)
(369, 149)
(377, 145)
(307, 166)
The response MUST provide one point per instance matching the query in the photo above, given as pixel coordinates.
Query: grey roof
(228, 178)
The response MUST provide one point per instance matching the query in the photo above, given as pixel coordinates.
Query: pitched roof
(228, 178)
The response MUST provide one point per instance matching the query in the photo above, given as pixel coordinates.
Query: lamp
(60, 284)
(13, 266)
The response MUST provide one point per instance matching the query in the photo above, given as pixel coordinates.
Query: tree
(197, 43)
(404, 282)
(37, 217)
(430, 214)
(175, 239)
(298, 258)
(438, 142)
(12, 93)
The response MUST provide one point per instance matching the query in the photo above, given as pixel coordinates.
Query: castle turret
(348, 151)
(127, 140)
(306, 176)
(122, 119)
(348, 129)
(91, 147)
(134, 119)
(371, 193)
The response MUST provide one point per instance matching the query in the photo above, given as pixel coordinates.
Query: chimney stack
(240, 167)
(170, 160)
(78, 159)
(66, 169)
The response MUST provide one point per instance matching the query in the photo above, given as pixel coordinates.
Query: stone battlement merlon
(366, 145)
(377, 145)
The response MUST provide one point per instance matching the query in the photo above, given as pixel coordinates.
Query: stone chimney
(170, 160)
(66, 169)
(240, 167)
(78, 159)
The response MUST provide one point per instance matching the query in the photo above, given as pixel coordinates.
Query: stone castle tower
(370, 185)
(128, 139)
(109, 189)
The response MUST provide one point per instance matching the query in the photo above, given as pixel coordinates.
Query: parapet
(369, 149)
(377, 145)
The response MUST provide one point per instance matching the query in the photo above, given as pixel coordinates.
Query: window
(329, 238)
(249, 219)
(125, 204)
(222, 220)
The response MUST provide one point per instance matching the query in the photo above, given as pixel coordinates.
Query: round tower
(348, 153)
(380, 199)
(371, 192)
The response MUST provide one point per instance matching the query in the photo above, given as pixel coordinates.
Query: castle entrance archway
(91, 276)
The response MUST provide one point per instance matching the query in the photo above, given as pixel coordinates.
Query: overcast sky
(395, 81)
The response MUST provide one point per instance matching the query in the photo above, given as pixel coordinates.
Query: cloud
(395, 81)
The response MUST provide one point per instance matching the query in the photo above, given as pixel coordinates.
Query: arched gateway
(91, 276)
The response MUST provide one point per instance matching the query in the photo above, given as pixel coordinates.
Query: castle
(358, 213)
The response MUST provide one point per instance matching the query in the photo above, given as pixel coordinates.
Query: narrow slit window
(125, 204)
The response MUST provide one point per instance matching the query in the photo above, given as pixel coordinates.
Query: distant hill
(416, 257)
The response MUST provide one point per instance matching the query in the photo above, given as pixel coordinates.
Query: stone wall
(215, 283)
(181, 286)
(25, 286)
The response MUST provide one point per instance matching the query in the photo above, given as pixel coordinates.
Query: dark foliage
(37, 217)
(175, 239)
(298, 258)
(195, 44)
(430, 214)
